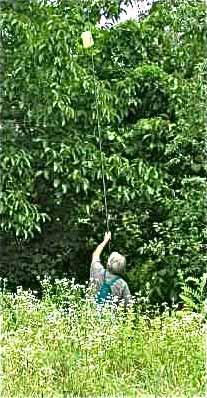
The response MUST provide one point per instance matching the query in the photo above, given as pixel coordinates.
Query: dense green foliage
(59, 346)
(149, 81)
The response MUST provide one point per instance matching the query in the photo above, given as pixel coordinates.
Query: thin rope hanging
(87, 43)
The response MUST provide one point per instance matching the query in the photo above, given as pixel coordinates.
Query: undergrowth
(62, 346)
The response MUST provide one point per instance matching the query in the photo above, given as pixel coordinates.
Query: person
(112, 275)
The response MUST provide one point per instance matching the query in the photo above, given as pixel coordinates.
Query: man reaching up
(109, 282)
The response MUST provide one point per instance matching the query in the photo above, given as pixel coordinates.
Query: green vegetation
(150, 82)
(62, 346)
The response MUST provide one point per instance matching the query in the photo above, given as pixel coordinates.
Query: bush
(63, 345)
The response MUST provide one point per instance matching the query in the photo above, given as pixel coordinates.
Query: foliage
(193, 293)
(149, 82)
(53, 349)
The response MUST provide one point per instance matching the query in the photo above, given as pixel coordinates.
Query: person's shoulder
(122, 282)
(96, 262)
(97, 269)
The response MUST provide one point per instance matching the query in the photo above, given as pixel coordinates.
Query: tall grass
(62, 346)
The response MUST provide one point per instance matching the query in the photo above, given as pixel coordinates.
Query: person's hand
(107, 237)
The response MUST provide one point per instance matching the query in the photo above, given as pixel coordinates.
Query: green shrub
(50, 350)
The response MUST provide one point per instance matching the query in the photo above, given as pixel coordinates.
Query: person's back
(111, 277)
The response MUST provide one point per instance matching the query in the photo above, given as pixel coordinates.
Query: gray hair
(116, 263)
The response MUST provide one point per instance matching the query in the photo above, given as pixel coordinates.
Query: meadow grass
(61, 346)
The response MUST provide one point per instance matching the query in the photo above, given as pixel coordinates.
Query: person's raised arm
(97, 252)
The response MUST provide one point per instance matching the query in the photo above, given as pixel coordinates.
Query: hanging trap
(87, 39)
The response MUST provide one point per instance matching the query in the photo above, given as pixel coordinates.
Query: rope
(100, 145)
(99, 133)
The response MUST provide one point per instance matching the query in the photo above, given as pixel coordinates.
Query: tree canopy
(145, 81)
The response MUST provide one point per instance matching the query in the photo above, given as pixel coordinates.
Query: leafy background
(150, 85)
